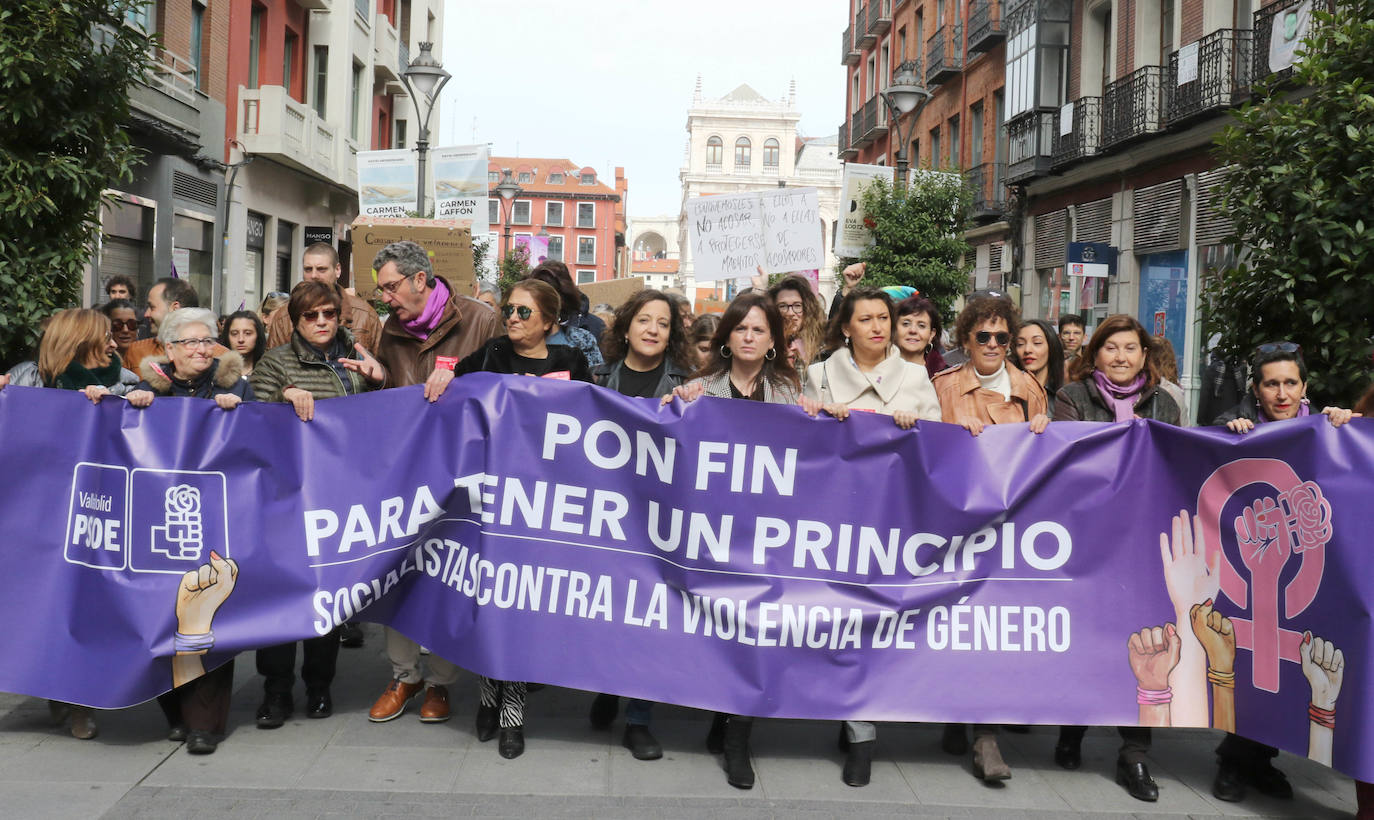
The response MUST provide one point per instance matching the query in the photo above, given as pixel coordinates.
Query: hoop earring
(771, 354)
(725, 351)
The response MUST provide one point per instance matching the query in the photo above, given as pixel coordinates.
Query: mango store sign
(733, 235)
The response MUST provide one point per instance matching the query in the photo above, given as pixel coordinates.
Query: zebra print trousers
(508, 696)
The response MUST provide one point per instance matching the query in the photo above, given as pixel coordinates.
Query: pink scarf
(1122, 398)
(421, 326)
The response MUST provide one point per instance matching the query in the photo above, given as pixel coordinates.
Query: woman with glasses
(748, 361)
(197, 711)
(123, 316)
(987, 389)
(531, 315)
(803, 321)
(321, 361)
(77, 352)
(245, 334)
(1114, 380)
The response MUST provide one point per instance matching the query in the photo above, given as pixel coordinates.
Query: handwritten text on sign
(734, 234)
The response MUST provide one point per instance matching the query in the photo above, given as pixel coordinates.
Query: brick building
(956, 49)
(1110, 141)
(582, 218)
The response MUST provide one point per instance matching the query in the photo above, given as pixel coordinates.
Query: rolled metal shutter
(1093, 221)
(1213, 223)
(1051, 239)
(1157, 212)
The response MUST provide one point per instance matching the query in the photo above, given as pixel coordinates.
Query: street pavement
(345, 767)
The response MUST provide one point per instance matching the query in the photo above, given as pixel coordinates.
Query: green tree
(513, 267)
(1299, 192)
(919, 237)
(65, 69)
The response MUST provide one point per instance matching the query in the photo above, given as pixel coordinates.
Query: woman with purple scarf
(1115, 381)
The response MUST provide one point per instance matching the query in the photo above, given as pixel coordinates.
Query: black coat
(1082, 401)
(498, 356)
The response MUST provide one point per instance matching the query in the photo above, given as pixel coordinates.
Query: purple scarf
(421, 326)
(1121, 398)
(1304, 409)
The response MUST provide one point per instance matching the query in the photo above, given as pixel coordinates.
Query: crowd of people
(881, 350)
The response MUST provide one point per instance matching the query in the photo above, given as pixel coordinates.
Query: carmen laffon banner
(726, 555)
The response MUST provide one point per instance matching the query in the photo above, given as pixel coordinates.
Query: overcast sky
(607, 84)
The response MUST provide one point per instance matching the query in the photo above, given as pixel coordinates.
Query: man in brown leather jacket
(321, 264)
(431, 328)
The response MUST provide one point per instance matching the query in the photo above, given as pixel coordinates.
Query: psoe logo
(96, 517)
(1283, 519)
(177, 518)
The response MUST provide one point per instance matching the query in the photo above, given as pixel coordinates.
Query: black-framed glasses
(329, 314)
(124, 324)
(791, 307)
(523, 311)
(191, 344)
(982, 337)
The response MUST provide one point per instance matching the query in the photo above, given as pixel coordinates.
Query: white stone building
(744, 142)
(654, 251)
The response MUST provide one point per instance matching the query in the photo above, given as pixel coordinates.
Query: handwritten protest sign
(732, 235)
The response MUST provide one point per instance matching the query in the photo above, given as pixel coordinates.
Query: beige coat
(895, 384)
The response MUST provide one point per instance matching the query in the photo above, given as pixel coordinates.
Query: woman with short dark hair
(918, 333)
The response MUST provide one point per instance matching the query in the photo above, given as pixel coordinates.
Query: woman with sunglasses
(245, 334)
(321, 361)
(531, 314)
(1114, 380)
(987, 389)
(123, 316)
(1278, 392)
(748, 361)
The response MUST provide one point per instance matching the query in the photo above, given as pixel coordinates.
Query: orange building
(582, 218)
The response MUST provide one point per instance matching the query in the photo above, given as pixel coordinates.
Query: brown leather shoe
(435, 707)
(393, 701)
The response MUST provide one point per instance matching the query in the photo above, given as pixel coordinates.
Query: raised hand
(201, 592)
(1153, 653)
(1324, 667)
(1188, 575)
(1218, 638)
(369, 367)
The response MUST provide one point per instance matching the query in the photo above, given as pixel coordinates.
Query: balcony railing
(944, 54)
(846, 151)
(879, 17)
(1216, 76)
(988, 183)
(1081, 137)
(275, 124)
(173, 74)
(875, 118)
(856, 129)
(865, 37)
(984, 26)
(849, 52)
(1265, 20)
(386, 45)
(1030, 144)
(1133, 106)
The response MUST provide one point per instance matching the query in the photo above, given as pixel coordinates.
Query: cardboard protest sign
(449, 247)
(732, 235)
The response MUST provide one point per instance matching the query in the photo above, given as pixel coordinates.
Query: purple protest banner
(725, 555)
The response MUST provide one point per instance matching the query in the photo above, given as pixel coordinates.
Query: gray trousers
(404, 655)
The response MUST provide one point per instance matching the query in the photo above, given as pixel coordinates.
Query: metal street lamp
(905, 96)
(508, 191)
(424, 78)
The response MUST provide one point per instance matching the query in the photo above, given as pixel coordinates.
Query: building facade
(168, 220)
(745, 142)
(956, 50)
(581, 218)
(654, 251)
(1110, 142)
(310, 84)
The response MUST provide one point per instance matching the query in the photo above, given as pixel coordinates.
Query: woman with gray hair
(190, 368)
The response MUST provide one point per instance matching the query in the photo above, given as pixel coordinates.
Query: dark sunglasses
(329, 314)
(523, 311)
(983, 336)
(1278, 347)
(124, 324)
(278, 294)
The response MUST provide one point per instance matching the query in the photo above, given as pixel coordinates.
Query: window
(953, 134)
(493, 176)
(884, 67)
(586, 214)
(255, 44)
(288, 60)
(901, 45)
(355, 106)
(586, 277)
(556, 248)
(771, 153)
(975, 134)
(383, 132)
(935, 157)
(524, 177)
(586, 250)
(587, 179)
(520, 214)
(872, 75)
(321, 78)
(493, 211)
(742, 152)
(400, 134)
(197, 35)
(715, 151)
(555, 177)
(553, 213)
(1166, 30)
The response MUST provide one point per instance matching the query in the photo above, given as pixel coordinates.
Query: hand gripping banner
(726, 554)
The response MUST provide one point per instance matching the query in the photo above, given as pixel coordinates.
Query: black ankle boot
(858, 763)
(715, 738)
(738, 770)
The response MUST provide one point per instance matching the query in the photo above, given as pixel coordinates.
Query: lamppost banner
(387, 183)
(460, 186)
(855, 234)
(713, 554)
